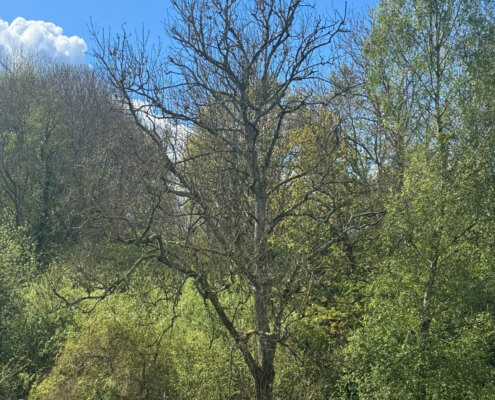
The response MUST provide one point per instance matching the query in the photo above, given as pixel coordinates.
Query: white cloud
(41, 38)
(173, 133)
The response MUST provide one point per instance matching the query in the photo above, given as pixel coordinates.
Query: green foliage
(116, 354)
(29, 328)
(207, 363)
(53, 123)
(17, 268)
(128, 348)
(428, 326)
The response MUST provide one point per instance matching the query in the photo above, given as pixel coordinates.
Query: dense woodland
(275, 206)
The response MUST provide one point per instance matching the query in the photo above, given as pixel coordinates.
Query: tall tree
(233, 82)
(433, 259)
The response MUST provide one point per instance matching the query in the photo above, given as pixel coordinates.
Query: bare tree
(217, 111)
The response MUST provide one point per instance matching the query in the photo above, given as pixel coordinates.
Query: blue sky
(73, 17)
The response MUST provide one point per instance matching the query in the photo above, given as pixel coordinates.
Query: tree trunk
(265, 372)
(424, 329)
(263, 382)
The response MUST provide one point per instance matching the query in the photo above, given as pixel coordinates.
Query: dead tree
(239, 71)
